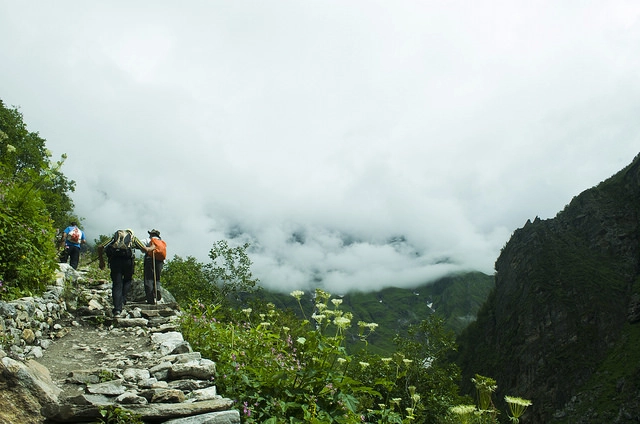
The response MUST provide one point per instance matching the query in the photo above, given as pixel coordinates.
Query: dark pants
(74, 256)
(152, 285)
(71, 254)
(121, 276)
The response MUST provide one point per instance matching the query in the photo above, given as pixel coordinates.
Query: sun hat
(154, 232)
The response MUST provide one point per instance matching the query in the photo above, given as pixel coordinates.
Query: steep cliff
(561, 322)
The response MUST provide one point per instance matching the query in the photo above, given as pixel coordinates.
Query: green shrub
(27, 250)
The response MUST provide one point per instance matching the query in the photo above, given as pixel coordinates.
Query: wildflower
(517, 401)
(330, 312)
(342, 360)
(371, 326)
(342, 322)
(462, 409)
(297, 294)
(484, 383)
(322, 295)
(517, 406)
(484, 386)
(336, 302)
(386, 360)
(265, 324)
(10, 148)
(318, 317)
(364, 364)
(464, 412)
(247, 311)
(246, 410)
(286, 329)
(407, 361)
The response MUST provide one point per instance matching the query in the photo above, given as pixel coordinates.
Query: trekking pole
(153, 264)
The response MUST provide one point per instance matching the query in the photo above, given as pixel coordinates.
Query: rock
(225, 417)
(130, 398)
(164, 396)
(110, 388)
(83, 377)
(132, 322)
(28, 335)
(135, 375)
(167, 342)
(203, 394)
(204, 369)
(33, 377)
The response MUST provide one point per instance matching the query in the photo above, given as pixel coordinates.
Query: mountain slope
(561, 307)
(456, 298)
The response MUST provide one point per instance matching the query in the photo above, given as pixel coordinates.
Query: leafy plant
(281, 368)
(485, 412)
(116, 415)
(105, 375)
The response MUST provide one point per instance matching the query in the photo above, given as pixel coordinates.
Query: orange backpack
(160, 253)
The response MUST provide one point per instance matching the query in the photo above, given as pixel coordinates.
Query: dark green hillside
(456, 298)
(560, 326)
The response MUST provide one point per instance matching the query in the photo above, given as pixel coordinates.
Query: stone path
(139, 363)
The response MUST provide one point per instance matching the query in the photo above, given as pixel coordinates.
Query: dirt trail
(90, 347)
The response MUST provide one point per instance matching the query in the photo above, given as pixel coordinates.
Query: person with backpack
(72, 239)
(120, 250)
(153, 263)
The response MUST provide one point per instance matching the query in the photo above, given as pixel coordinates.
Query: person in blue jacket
(72, 239)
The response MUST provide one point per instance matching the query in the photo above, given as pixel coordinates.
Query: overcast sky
(353, 143)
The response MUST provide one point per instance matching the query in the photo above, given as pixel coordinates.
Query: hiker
(153, 262)
(120, 252)
(72, 239)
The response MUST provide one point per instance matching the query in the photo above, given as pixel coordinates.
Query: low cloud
(391, 149)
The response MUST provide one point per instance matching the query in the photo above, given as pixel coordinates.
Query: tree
(188, 281)
(230, 269)
(25, 160)
(227, 275)
(33, 202)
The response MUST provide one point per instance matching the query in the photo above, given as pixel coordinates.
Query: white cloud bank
(355, 144)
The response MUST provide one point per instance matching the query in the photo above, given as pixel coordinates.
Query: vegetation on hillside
(456, 299)
(34, 202)
(295, 367)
